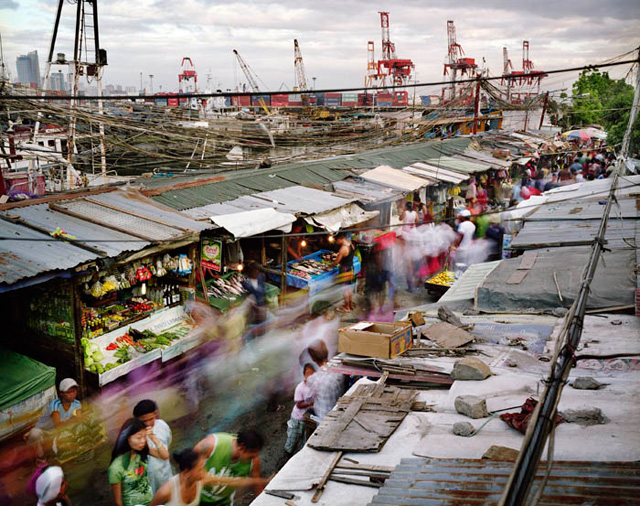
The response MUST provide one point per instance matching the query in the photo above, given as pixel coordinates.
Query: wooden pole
(476, 108)
(544, 109)
(283, 267)
(78, 352)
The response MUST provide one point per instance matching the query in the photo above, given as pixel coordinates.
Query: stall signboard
(212, 254)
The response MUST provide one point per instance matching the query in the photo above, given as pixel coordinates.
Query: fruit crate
(441, 282)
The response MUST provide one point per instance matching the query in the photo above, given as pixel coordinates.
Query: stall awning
(395, 178)
(345, 217)
(250, 223)
(437, 174)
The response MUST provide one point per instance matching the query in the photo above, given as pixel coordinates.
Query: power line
(531, 75)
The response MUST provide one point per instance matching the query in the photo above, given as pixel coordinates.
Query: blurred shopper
(159, 470)
(228, 456)
(128, 470)
(327, 386)
(49, 485)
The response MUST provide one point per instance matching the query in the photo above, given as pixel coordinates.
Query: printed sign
(212, 254)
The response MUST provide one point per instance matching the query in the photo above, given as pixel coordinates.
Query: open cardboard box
(375, 339)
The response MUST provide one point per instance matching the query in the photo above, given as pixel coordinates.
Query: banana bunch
(445, 278)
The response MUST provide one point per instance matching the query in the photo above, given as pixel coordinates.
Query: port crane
(301, 76)
(456, 63)
(252, 77)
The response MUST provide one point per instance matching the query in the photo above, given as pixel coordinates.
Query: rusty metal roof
(430, 482)
(25, 253)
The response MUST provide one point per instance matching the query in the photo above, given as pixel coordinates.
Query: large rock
(586, 383)
(463, 429)
(471, 406)
(502, 453)
(470, 368)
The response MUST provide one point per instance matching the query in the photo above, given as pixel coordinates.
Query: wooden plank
(365, 467)
(351, 481)
(528, 260)
(325, 478)
(447, 335)
(517, 277)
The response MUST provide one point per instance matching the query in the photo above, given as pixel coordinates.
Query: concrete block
(471, 406)
(470, 368)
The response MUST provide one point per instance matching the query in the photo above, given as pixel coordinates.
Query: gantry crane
(253, 80)
(398, 69)
(455, 62)
(301, 76)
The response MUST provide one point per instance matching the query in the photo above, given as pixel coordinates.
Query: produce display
(444, 278)
(98, 321)
(127, 346)
(229, 288)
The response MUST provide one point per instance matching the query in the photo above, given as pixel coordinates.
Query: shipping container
(349, 97)
(385, 104)
(319, 98)
(333, 95)
(256, 100)
(279, 100)
(172, 102)
(227, 101)
(401, 98)
(435, 99)
(384, 98)
(365, 99)
(425, 99)
(161, 102)
(241, 100)
(332, 102)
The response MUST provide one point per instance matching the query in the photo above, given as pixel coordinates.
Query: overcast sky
(152, 36)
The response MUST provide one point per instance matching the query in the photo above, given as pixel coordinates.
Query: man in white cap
(466, 231)
(50, 487)
(59, 412)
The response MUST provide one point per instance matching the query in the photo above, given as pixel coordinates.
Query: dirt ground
(88, 477)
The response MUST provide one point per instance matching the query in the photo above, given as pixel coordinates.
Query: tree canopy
(599, 100)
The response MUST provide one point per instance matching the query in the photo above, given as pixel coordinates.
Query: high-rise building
(28, 68)
(56, 82)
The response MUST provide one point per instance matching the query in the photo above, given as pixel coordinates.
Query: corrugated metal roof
(549, 234)
(297, 200)
(427, 482)
(136, 203)
(122, 221)
(25, 254)
(302, 200)
(456, 164)
(465, 287)
(395, 178)
(111, 242)
(583, 210)
(365, 192)
(436, 173)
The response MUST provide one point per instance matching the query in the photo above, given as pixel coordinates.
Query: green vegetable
(97, 356)
(88, 361)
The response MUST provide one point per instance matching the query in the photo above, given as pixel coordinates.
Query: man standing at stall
(344, 261)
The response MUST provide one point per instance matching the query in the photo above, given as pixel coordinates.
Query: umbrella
(584, 134)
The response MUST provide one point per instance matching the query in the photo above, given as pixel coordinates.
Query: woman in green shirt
(128, 470)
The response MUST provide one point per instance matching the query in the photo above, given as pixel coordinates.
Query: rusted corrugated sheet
(430, 482)
(25, 253)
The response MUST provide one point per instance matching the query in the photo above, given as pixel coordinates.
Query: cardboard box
(375, 339)
(417, 319)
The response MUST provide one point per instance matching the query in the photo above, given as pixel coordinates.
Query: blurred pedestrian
(127, 472)
(226, 456)
(327, 386)
(50, 486)
(303, 399)
(159, 470)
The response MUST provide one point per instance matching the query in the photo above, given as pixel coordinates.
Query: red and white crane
(398, 70)
(455, 65)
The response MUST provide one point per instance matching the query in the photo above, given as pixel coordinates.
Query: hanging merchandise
(184, 265)
(211, 254)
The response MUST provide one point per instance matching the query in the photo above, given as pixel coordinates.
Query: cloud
(152, 36)
(8, 4)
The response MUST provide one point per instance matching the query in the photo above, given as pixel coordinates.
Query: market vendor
(60, 412)
(344, 261)
(295, 243)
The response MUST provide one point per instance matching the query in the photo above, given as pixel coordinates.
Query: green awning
(22, 377)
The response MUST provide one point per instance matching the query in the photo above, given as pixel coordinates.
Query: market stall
(133, 314)
(26, 388)
(314, 275)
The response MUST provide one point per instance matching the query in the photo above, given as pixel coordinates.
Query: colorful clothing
(302, 393)
(159, 470)
(131, 473)
(219, 463)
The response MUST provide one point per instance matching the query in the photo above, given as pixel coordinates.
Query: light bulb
(303, 243)
(240, 267)
(331, 239)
